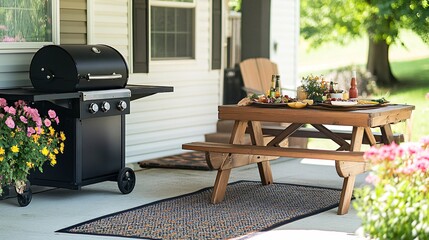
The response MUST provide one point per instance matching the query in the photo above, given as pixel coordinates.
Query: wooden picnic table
(349, 161)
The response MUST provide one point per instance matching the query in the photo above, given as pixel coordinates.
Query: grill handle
(103, 77)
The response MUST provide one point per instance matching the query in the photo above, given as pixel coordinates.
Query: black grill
(86, 86)
(68, 68)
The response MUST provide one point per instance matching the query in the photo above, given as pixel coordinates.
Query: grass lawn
(410, 66)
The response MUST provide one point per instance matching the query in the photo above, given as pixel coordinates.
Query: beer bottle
(278, 86)
(273, 86)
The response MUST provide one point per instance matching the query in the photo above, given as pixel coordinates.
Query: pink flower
(20, 103)
(57, 120)
(52, 113)
(3, 102)
(9, 122)
(10, 110)
(38, 122)
(30, 131)
(373, 179)
(23, 119)
(47, 122)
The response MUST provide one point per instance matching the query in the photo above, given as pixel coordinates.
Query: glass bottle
(278, 87)
(273, 86)
(353, 92)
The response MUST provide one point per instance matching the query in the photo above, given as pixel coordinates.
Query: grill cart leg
(25, 198)
(126, 180)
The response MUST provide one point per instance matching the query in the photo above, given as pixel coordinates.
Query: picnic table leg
(258, 139)
(349, 170)
(222, 176)
(220, 185)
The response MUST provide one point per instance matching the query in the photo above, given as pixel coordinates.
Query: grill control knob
(122, 105)
(93, 108)
(105, 106)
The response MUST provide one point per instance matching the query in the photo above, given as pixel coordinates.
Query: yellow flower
(14, 149)
(52, 156)
(1, 158)
(42, 131)
(53, 162)
(62, 147)
(1, 151)
(45, 151)
(12, 134)
(51, 131)
(30, 164)
(36, 138)
(56, 151)
(62, 136)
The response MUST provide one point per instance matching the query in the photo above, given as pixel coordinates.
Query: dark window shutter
(140, 36)
(216, 34)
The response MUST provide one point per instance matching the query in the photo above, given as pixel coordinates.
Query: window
(172, 29)
(26, 23)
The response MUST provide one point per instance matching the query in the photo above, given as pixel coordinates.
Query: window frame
(7, 47)
(172, 4)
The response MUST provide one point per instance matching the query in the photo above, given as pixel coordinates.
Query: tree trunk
(378, 63)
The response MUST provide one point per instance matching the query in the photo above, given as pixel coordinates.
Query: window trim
(34, 46)
(157, 3)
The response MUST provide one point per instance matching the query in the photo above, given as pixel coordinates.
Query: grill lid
(68, 68)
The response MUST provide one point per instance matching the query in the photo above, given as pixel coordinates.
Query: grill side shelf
(141, 91)
(29, 94)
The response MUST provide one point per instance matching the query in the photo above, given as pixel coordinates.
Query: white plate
(343, 103)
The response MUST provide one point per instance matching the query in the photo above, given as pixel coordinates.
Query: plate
(344, 103)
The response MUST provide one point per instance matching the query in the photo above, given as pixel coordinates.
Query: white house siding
(285, 33)
(73, 21)
(108, 23)
(159, 124)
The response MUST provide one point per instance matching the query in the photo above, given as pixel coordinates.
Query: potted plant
(27, 141)
(396, 206)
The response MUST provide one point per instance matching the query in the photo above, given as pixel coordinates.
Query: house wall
(158, 125)
(73, 22)
(284, 37)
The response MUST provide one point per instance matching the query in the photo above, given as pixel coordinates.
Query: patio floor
(55, 209)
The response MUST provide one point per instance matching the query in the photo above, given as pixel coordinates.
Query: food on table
(269, 99)
(364, 101)
(297, 104)
(245, 102)
(308, 101)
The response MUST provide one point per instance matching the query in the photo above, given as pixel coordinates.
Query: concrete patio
(54, 209)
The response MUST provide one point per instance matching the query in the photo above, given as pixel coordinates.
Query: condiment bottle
(353, 92)
(278, 87)
(273, 86)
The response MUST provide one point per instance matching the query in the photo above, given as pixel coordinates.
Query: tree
(342, 20)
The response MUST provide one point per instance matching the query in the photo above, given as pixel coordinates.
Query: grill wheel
(126, 180)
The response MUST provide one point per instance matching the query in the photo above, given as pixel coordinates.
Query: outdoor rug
(248, 207)
(188, 160)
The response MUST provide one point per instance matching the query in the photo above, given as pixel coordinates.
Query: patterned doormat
(248, 207)
(188, 160)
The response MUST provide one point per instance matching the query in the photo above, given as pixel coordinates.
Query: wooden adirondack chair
(256, 73)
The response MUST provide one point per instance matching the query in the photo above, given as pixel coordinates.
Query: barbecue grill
(87, 86)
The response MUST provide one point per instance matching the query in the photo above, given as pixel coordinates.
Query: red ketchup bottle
(353, 91)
